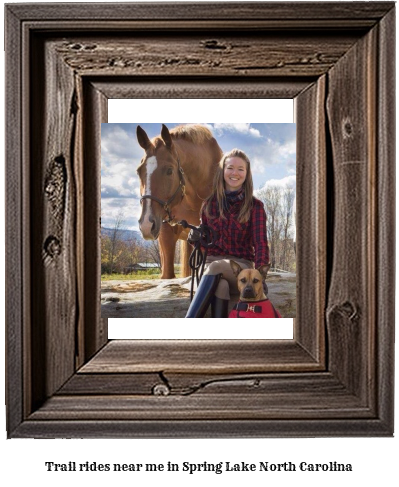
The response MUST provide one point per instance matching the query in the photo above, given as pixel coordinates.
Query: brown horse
(176, 175)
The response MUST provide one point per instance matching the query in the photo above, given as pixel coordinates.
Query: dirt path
(170, 298)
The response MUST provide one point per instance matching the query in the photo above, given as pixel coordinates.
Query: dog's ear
(236, 267)
(264, 269)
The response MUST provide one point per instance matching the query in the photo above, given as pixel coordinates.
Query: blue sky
(270, 146)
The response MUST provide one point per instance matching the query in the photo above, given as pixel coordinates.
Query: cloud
(120, 179)
(242, 128)
(286, 149)
(118, 142)
(120, 156)
(274, 153)
(287, 182)
(111, 208)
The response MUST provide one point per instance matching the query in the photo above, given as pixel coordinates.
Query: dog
(253, 301)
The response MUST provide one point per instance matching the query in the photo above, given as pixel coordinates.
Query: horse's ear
(142, 138)
(165, 134)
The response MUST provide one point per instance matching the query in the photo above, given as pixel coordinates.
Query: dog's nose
(248, 292)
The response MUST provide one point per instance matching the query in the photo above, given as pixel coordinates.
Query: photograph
(185, 203)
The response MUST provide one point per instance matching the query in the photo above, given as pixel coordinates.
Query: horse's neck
(198, 165)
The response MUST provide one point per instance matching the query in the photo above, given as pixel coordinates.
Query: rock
(170, 298)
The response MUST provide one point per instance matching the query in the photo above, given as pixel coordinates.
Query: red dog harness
(255, 309)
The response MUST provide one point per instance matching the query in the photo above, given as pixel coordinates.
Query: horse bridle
(165, 204)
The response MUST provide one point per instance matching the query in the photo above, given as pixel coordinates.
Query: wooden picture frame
(335, 378)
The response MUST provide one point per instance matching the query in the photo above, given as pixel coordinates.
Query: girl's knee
(214, 268)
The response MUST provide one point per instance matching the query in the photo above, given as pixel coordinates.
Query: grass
(136, 276)
(128, 277)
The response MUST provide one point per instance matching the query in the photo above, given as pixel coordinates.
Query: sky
(271, 148)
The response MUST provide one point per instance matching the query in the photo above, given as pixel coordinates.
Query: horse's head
(161, 181)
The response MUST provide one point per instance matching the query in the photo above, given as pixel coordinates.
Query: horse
(176, 175)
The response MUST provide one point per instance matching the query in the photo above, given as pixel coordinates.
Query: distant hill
(124, 235)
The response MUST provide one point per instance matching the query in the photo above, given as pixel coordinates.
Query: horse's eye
(169, 171)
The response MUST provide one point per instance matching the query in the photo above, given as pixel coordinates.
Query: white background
(374, 460)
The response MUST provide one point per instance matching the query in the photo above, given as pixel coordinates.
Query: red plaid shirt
(244, 240)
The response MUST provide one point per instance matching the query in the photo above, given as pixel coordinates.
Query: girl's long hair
(219, 188)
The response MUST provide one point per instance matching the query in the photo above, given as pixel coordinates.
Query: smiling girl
(238, 221)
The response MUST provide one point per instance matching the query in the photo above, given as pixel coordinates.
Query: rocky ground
(170, 298)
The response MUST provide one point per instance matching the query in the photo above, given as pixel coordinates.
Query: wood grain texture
(385, 244)
(200, 356)
(250, 428)
(311, 212)
(112, 384)
(154, 87)
(184, 384)
(15, 316)
(269, 396)
(217, 55)
(351, 307)
(53, 197)
(95, 329)
(208, 11)
(64, 63)
(203, 407)
(340, 26)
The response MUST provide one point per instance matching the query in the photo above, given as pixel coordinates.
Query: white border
(206, 329)
(201, 111)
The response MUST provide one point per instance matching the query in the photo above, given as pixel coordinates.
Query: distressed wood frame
(64, 379)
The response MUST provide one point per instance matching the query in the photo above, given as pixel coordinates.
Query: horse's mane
(198, 134)
(194, 133)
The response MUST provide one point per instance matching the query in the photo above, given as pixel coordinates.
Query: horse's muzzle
(150, 227)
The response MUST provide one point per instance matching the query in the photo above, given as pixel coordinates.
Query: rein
(201, 236)
(165, 204)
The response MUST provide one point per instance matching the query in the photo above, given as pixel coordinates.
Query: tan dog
(250, 284)
(250, 281)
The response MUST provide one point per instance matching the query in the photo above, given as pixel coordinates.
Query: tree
(278, 204)
(287, 213)
(129, 255)
(154, 252)
(271, 198)
(111, 247)
(105, 245)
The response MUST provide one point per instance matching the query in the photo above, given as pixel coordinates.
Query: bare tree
(128, 256)
(271, 198)
(114, 241)
(177, 252)
(287, 223)
(278, 206)
(154, 252)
